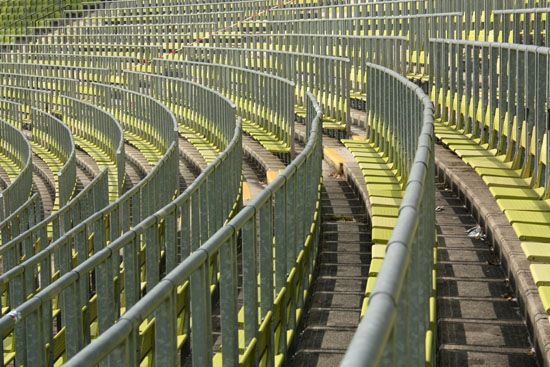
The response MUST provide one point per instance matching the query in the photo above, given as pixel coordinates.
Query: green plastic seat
(541, 274)
(489, 161)
(385, 201)
(498, 172)
(502, 181)
(544, 293)
(473, 151)
(532, 232)
(384, 222)
(536, 251)
(519, 193)
(522, 216)
(526, 205)
(385, 211)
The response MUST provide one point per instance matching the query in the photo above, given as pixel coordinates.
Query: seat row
(277, 235)
(152, 127)
(195, 215)
(502, 132)
(277, 223)
(16, 162)
(279, 231)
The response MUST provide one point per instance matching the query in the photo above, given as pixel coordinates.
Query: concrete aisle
(332, 313)
(479, 320)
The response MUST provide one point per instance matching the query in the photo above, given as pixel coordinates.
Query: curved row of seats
(206, 123)
(502, 132)
(95, 131)
(159, 90)
(137, 273)
(330, 87)
(397, 161)
(17, 16)
(154, 192)
(267, 116)
(278, 214)
(108, 224)
(276, 235)
(51, 142)
(494, 122)
(16, 162)
(155, 329)
(243, 338)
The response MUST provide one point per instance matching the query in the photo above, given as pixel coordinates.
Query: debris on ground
(476, 232)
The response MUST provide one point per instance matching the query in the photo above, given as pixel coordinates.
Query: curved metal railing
(400, 300)
(283, 220)
(22, 219)
(136, 259)
(17, 149)
(47, 133)
(263, 100)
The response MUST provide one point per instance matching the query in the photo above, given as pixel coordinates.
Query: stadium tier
(274, 183)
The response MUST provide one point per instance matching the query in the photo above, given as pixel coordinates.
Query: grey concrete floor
(479, 320)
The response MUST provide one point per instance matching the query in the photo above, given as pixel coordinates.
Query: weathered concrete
(479, 322)
(332, 312)
(469, 187)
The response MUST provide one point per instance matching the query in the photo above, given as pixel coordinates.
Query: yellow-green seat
(373, 166)
(503, 181)
(381, 235)
(536, 251)
(268, 140)
(384, 201)
(527, 205)
(384, 187)
(541, 274)
(473, 151)
(389, 180)
(544, 292)
(361, 155)
(378, 173)
(487, 162)
(385, 211)
(522, 216)
(532, 232)
(384, 222)
(454, 140)
(498, 172)
(392, 191)
(369, 160)
(525, 193)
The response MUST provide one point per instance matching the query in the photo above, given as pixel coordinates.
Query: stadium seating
(17, 16)
(122, 273)
(16, 162)
(501, 133)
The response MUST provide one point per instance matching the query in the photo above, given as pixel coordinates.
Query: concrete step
(459, 355)
(136, 166)
(4, 179)
(255, 179)
(479, 320)
(332, 312)
(44, 184)
(256, 161)
(187, 175)
(86, 169)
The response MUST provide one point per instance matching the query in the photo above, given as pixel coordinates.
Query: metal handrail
(278, 202)
(190, 208)
(400, 300)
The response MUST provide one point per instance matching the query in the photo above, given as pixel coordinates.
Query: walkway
(334, 306)
(479, 320)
